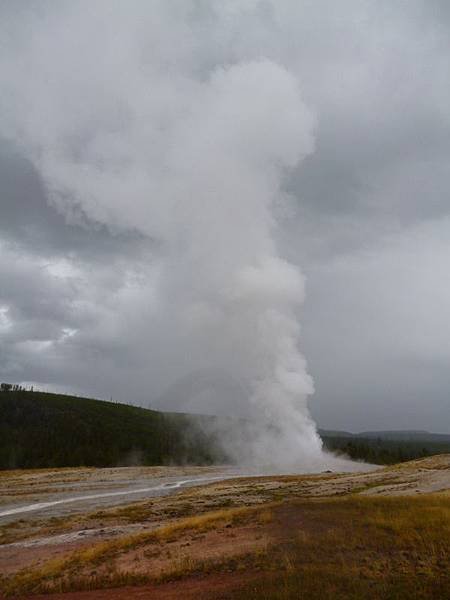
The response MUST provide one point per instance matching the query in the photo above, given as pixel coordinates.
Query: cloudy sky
(147, 149)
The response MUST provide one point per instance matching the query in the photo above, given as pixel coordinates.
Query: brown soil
(205, 587)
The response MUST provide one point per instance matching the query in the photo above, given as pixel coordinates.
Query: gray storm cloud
(128, 131)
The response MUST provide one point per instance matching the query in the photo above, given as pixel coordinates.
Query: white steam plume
(128, 123)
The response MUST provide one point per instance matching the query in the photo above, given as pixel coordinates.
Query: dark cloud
(28, 218)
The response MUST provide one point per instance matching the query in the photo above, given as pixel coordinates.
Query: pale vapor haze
(173, 172)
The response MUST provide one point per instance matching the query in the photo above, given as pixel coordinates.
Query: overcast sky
(358, 98)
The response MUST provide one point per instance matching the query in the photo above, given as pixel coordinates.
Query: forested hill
(50, 430)
(386, 447)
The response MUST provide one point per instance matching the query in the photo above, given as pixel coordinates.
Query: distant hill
(38, 429)
(424, 436)
(386, 447)
(403, 434)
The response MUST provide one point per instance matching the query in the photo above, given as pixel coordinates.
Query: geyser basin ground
(62, 492)
(231, 531)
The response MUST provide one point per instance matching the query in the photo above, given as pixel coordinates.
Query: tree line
(15, 387)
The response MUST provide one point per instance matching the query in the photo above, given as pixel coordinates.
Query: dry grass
(353, 547)
(265, 516)
(61, 574)
(385, 548)
(178, 568)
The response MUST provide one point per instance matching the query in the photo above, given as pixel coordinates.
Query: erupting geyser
(137, 133)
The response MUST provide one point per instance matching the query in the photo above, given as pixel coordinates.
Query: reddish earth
(206, 587)
(19, 557)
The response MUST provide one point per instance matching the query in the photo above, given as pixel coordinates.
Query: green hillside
(51, 430)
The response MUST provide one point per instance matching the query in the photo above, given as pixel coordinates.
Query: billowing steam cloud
(132, 127)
